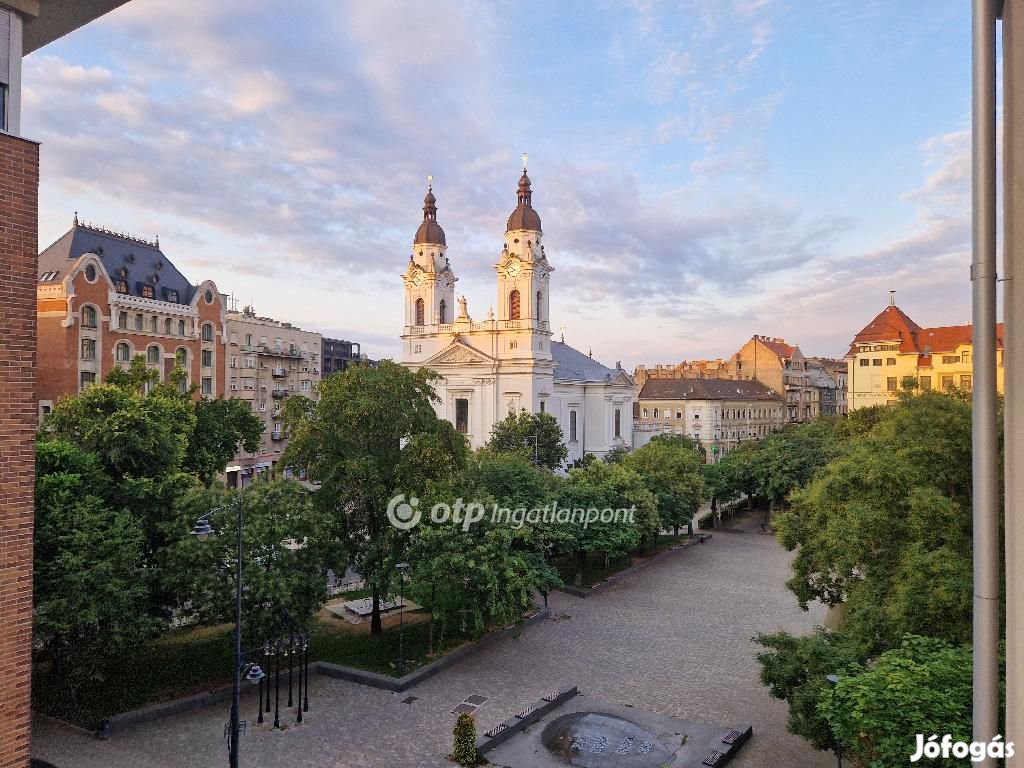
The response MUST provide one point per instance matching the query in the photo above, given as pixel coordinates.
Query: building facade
(718, 414)
(103, 298)
(268, 361)
(338, 354)
(893, 352)
(508, 361)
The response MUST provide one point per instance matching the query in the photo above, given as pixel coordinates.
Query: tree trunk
(430, 636)
(376, 628)
(675, 530)
(750, 501)
(581, 560)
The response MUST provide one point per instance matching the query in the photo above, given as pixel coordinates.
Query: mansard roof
(706, 389)
(573, 365)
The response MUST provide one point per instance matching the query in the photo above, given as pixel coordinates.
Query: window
(540, 303)
(572, 425)
(442, 312)
(138, 322)
(234, 361)
(153, 354)
(462, 415)
(644, 412)
(890, 361)
(88, 317)
(90, 273)
(181, 358)
(147, 291)
(877, 361)
(950, 359)
(122, 320)
(208, 296)
(890, 384)
(655, 413)
(679, 415)
(207, 385)
(542, 406)
(248, 339)
(419, 312)
(207, 358)
(168, 324)
(181, 327)
(154, 323)
(947, 382)
(123, 352)
(88, 349)
(121, 286)
(864, 362)
(618, 423)
(513, 305)
(207, 332)
(966, 357)
(88, 377)
(172, 296)
(965, 382)
(304, 385)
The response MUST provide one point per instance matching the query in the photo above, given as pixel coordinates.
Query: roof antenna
(892, 298)
(76, 218)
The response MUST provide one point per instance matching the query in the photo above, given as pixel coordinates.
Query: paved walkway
(673, 638)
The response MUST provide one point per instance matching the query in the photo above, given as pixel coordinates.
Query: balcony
(277, 394)
(279, 373)
(279, 435)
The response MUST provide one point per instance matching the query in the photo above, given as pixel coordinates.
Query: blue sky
(704, 170)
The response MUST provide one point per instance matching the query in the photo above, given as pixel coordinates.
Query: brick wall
(19, 205)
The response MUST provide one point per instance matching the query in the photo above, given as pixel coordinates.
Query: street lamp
(833, 680)
(400, 567)
(254, 673)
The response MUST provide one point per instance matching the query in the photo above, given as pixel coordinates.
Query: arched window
(540, 303)
(513, 305)
(655, 413)
(207, 332)
(88, 317)
(419, 311)
(645, 413)
(153, 354)
(124, 352)
(442, 312)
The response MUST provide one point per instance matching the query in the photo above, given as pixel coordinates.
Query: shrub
(464, 748)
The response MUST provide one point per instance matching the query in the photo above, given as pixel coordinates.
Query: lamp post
(400, 567)
(833, 680)
(254, 674)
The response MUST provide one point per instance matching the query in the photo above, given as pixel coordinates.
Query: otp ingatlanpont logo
(404, 516)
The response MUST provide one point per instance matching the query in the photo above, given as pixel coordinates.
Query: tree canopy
(536, 436)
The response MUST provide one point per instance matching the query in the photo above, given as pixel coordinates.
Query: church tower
(523, 275)
(429, 279)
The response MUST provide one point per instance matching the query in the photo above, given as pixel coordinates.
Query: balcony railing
(277, 435)
(279, 373)
(279, 393)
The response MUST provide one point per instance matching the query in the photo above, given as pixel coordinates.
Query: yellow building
(893, 350)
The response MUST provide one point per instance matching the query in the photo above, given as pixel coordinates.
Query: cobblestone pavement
(673, 638)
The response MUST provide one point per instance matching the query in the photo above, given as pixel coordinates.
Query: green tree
(672, 471)
(373, 435)
(222, 425)
(923, 686)
(90, 585)
(536, 436)
(288, 545)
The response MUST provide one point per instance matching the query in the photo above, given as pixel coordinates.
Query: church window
(419, 311)
(513, 305)
(540, 303)
(462, 415)
(542, 406)
(645, 413)
(655, 413)
(442, 312)
(618, 423)
(572, 426)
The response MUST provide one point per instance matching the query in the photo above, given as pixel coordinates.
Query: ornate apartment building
(892, 351)
(268, 361)
(508, 361)
(103, 298)
(717, 413)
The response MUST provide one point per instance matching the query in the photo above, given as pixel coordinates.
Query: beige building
(718, 413)
(892, 351)
(268, 361)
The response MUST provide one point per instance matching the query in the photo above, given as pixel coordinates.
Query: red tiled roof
(892, 324)
(780, 348)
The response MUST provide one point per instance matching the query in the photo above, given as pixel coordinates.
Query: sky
(704, 169)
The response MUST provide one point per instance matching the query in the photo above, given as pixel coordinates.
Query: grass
(189, 661)
(595, 569)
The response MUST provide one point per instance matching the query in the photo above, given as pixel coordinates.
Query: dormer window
(172, 296)
(147, 291)
(121, 286)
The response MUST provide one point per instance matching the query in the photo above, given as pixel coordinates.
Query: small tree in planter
(464, 748)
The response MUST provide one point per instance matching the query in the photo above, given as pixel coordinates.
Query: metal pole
(259, 703)
(305, 662)
(1013, 365)
(298, 708)
(983, 414)
(291, 655)
(266, 656)
(236, 683)
(401, 624)
(277, 687)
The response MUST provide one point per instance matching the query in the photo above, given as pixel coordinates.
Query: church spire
(524, 217)
(430, 231)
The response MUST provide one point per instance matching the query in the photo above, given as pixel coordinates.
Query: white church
(499, 365)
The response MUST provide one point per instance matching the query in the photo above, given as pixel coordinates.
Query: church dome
(524, 217)
(430, 232)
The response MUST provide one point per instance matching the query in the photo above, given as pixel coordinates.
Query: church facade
(508, 361)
